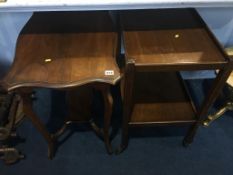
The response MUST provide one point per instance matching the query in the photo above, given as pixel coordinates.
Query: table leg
(127, 97)
(214, 92)
(28, 110)
(108, 103)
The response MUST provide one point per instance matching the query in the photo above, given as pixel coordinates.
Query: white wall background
(220, 20)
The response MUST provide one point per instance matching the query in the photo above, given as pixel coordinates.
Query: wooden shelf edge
(161, 123)
(156, 115)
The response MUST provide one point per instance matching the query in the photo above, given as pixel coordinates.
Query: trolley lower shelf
(161, 98)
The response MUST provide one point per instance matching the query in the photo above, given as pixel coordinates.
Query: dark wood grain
(64, 50)
(59, 58)
(168, 38)
(192, 46)
(160, 98)
(157, 43)
(75, 59)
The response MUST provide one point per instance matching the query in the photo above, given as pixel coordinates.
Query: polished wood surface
(169, 37)
(58, 57)
(59, 61)
(163, 103)
(187, 46)
(165, 41)
(64, 50)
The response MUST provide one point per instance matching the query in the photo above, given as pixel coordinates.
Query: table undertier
(161, 98)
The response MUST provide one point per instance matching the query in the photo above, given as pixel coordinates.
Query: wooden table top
(63, 59)
(171, 46)
(163, 37)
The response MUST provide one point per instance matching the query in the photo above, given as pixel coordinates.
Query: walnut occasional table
(64, 50)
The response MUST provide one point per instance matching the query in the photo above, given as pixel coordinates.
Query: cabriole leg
(28, 110)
